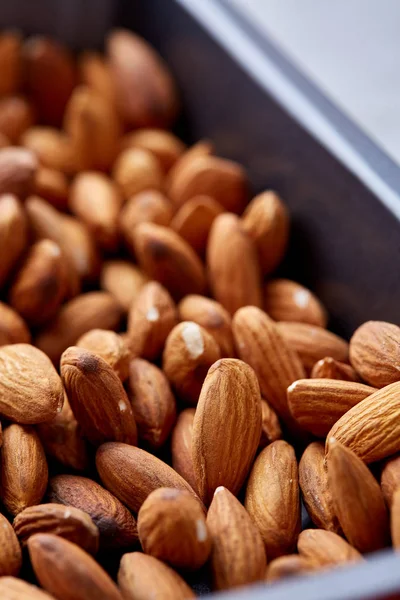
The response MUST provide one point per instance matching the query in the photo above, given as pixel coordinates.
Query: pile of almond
(165, 402)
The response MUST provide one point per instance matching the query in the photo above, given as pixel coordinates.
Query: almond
(194, 219)
(238, 554)
(97, 397)
(109, 346)
(30, 388)
(10, 61)
(395, 519)
(313, 479)
(201, 148)
(12, 588)
(123, 280)
(166, 257)
(16, 116)
(357, 499)
(266, 220)
(317, 404)
(67, 571)
(172, 528)
(273, 498)
(286, 300)
(136, 170)
(326, 548)
(212, 317)
(66, 521)
(13, 233)
(153, 404)
(290, 565)
(17, 171)
(24, 470)
(375, 352)
(51, 146)
(181, 446)
(390, 478)
(51, 185)
(132, 474)
(329, 368)
(141, 577)
(115, 523)
(371, 429)
(165, 146)
(78, 244)
(152, 316)
(188, 354)
(233, 269)
(270, 426)
(230, 401)
(13, 329)
(95, 72)
(10, 550)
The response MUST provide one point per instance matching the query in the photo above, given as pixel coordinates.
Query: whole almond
(67, 571)
(326, 548)
(123, 280)
(165, 146)
(16, 116)
(232, 264)
(12, 588)
(95, 72)
(30, 388)
(201, 148)
(17, 171)
(286, 300)
(270, 426)
(13, 329)
(188, 354)
(152, 316)
(390, 478)
(136, 170)
(238, 554)
(172, 528)
(395, 519)
(110, 346)
(10, 61)
(116, 525)
(329, 368)
(273, 498)
(291, 565)
(51, 146)
(141, 577)
(10, 550)
(153, 404)
(230, 401)
(169, 259)
(194, 219)
(13, 234)
(78, 243)
(357, 499)
(66, 521)
(181, 446)
(24, 470)
(51, 185)
(375, 352)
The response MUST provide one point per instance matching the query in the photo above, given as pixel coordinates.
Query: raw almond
(230, 401)
(78, 243)
(136, 170)
(165, 146)
(181, 446)
(13, 234)
(123, 280)
(13, 329)
(390, 478)
(194, 219)
(395, 519)
(16, 116)
(286, 300)
(51, 146)
(238, 554)
(10, 550)
(95, 72)
(329, 368)
(270, 426)
(51, 185)
(17, 171)
(273, 498)
(326, 548)
(110, 346)
(201, 148)
(291, 565)
(12, 588)
(10, 61)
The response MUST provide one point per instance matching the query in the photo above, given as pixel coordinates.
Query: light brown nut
(317, 404)
(230, 401)
(141, 576)
(24, 471)
(95, 72)
(375, 352)
(17, 171)
(232, 264)
(172, 528)
(13, 329)
(326, 548)
(273, 498)
(390, 478)
(357, 499)
(66, 521)
(13, 234)
(10, 62)
(49, 77)
(291, 565)
(270, 426)
(371, 429)
(287, 300)
(16, 116)
(132, 474)
(94, 310)
(53, 186)
(41, 283)
(329, 368)
(153, 404)
(313, 479)
(67, 571)
(51, 146)
(395, 519)
(30, 388)
(312, 343)
(137, 170)
(165, 146)
(238, 554)
(78, 243)
(115, 523)
(152, 316)
(145, 91)
(97, 397)
(96, 201)
(201, 148)
(266, 220)
(123, 280)
(10, 550)
(188, 354)
(181, 446)
(110, 346)
(166, 257)
(194, 219)
(12, 588)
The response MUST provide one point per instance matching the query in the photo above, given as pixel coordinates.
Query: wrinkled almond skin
(95, 72)
(238, 554)
(229, 401)
(194, 219)
(10, 62)
(291, 565)
(270, 426)
(395, 519)
(165, 146)
(181, 446)
(189, 352)
(51, 185)
(116, 525)
(172, 528)
(10, 550)
(97, 397)
(16, 116)
(329, 368)
(233, 269)
(110, 346)
(24, 470)
(123, 280)
(152, 402)
(137, 170)
(13, 234)
(390, 478)
(326, 548)
(30, 388)
(375, 352)
(141, 576)
(51, 146)
(286, 300)
(273, 498)
(13, 329)
(66, 521)
(12, 588)
(18, 167)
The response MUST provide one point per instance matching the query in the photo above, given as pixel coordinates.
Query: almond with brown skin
(238, 554)
(24, 470)
(286, 300)
(78, 244)
(329, 368)
(230, 401)
(51, 146)
(357, 499)
(136, 170)
(53, 186)
(390, 478)
(395, 519)
(181, 446)
(201, 148)
(111, 347)
(115, 523)
(291, 565)
(10, 550)
(10, 62)
(17, 171)
(188, 354)
(375, 352)
(273, 498)
(194, 219)
(326, 548)
(123, 280)
(16, 116)
(141, 577)
(270, 426)
(13, 329)
(12, 588)
(95, 72)
(13, 234)
(165, 146)
(172, 527)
